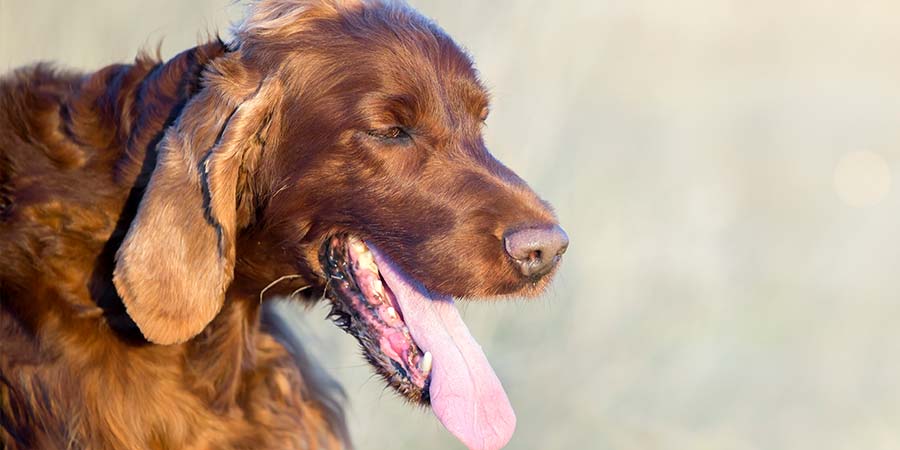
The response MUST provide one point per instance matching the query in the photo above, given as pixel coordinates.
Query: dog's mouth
(417, 341)
(363, 306)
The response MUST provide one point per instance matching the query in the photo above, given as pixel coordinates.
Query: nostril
(536, 250)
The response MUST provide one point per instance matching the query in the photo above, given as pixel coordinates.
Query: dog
(151, 212)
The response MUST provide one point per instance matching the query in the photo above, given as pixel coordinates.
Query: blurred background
(725, 170)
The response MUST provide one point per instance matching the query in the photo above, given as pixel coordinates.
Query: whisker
(294, 294)
(325, 291)
(262, 293)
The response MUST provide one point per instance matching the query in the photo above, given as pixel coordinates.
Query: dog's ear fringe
(177, 260)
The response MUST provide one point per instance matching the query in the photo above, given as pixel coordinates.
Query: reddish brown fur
(151, 203)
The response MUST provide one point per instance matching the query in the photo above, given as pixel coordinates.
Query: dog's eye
(390, 133)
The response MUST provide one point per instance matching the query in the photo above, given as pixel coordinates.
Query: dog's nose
(536, 251)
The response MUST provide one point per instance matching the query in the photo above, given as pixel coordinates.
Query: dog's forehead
(447, 74)
(424, 65)
(412, 47)
(384, 51)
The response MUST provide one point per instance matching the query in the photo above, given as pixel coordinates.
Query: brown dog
(332, 149)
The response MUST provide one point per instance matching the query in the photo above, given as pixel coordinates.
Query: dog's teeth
(426, 364)
(377, 292)
(392, 313)
(366, 261)
(406, 333)
(358, 246)
(364, 258)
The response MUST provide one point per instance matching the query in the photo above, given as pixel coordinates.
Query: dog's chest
(100, 398)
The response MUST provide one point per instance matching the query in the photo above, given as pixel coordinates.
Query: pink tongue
(466, 395)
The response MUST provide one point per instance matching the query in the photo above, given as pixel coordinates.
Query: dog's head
(340, 142)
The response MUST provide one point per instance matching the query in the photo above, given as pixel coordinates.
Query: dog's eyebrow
(402, 102)
(399, 108)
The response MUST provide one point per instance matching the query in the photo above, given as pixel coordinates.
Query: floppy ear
(177, 260)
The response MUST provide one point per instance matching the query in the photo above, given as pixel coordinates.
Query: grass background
(733, 276)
